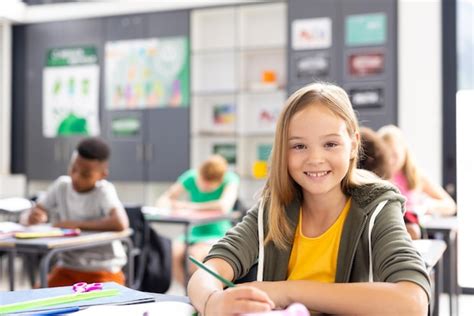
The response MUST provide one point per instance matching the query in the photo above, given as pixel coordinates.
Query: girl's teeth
(317, 174)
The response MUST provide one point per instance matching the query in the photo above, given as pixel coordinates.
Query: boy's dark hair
(93, 148)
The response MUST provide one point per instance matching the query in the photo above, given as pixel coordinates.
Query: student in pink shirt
(423, 196)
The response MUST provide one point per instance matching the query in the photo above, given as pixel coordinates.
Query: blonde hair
(280, 189)
(213, 168)
(393, 135)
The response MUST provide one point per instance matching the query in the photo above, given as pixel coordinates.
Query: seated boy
(85, 200)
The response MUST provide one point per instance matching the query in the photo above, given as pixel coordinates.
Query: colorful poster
(366, 64)
(223, 114)
(71, 92)
(311, 33)
(366, 29)
(147, 73)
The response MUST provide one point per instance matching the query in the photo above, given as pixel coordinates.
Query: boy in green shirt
(211, 187)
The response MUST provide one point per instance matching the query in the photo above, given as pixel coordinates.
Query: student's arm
(402, 284)
(402, 298)
(171, 195)
(117, 220)
(208, 297)
(441, 202)
(223, 204)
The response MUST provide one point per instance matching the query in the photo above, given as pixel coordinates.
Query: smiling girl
(324, 233)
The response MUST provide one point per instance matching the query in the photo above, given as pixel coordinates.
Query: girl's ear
(354, 143)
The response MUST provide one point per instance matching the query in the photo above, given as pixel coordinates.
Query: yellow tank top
(315, 258)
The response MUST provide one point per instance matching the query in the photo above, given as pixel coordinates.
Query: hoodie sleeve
(395, 258)
(239, 247)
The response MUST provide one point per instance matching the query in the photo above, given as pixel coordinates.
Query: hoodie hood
(367, 196)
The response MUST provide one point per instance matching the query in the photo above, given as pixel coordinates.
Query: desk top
(58, 242)
(189, 217)
(431, 250)
(436, 223)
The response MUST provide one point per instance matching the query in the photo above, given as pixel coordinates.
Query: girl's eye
(331, 145)
(298, 146)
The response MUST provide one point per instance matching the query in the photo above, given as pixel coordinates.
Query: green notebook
(60, 297)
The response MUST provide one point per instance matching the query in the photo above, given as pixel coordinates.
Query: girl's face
(397, 154)
(319, 150)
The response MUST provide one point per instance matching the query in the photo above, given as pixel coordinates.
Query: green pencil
(220, 278)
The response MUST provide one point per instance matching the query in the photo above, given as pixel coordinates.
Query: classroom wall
(419, 82)
(5, 96)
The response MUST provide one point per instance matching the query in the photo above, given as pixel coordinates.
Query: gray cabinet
(361, 57)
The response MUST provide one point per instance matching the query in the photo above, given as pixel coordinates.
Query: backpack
(152, 260)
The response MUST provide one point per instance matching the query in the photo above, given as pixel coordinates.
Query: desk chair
(151, 254)
(238, 212)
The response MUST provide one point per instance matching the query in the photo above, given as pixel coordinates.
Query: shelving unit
(238, 86)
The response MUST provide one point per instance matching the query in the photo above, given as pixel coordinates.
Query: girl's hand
(275, 291)
(238, 300)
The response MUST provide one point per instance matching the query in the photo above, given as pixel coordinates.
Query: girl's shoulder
(368, 194)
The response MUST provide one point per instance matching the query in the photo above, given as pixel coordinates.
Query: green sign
(228, 151)
(125, 127)
(60, 57)
(366, 29)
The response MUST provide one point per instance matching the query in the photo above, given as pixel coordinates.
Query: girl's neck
(324, 206)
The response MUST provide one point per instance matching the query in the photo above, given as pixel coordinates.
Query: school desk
(187, 219)
(49, 247)
(446, 228)
(432, 251)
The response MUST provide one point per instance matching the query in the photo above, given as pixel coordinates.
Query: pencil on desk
(57, 311)
(217, 276)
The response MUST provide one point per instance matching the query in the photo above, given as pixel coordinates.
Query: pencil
(58, 311)
(217, 276)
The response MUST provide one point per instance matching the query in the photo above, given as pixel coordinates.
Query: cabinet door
(167, 148)
(124, 129)
(125, 134)
(168, 128)
(47, 158)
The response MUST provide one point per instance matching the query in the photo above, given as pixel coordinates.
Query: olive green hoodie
(393, 255)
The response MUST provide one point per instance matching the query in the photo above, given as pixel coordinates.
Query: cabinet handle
(149, 152)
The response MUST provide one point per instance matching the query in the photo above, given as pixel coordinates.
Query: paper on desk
(148, 309)
(156, 210)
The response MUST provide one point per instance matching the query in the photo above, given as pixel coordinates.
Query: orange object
(269, 76)
(259, 169)
(61, 276)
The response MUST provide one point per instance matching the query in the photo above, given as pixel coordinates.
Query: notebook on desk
(125, 296)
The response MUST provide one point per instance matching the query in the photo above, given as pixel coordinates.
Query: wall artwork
(147, 73)
(364, 97)
(366, 29)
(311, 33)
(71, 92)
(223, 114)
(366, 64)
